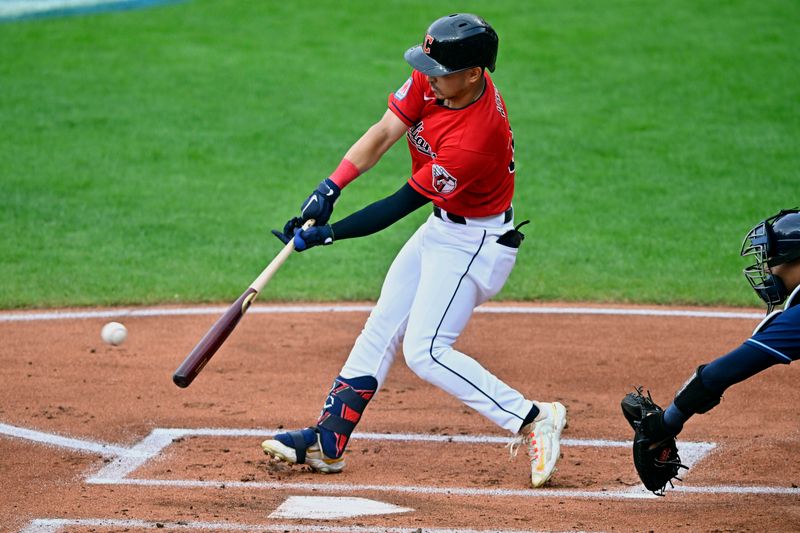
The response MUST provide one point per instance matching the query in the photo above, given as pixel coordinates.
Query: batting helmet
(772, 242)
(455, 42)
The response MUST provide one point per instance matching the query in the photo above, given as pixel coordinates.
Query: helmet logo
(426, 44)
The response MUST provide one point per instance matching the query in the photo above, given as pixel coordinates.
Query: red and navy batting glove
(313, 236)
(319, 204)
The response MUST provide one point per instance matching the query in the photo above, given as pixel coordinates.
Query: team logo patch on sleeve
(403, 91)
(443, 181)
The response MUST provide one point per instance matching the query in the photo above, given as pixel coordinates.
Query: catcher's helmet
(455, 42)
(772, 242)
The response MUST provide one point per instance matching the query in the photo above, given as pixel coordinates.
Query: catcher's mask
(772, 242)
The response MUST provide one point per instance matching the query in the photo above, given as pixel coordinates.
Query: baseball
(114, 333)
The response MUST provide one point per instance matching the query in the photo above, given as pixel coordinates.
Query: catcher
(774, 245)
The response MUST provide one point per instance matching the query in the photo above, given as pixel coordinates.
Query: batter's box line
(160, 438)
(53, 525)
(117, 472)
(127, 460)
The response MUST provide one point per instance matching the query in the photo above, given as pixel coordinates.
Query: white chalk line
(356, 487)
(273, 309)
(636, 492)
(26, 7)
(736, 489)
(65, 442)
(406, 437)
(128, 460)
(52, 525)
(161, 437)
(117, 471)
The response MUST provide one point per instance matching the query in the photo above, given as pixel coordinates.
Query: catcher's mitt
(655, 453)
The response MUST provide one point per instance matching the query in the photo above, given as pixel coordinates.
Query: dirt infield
(97, 438)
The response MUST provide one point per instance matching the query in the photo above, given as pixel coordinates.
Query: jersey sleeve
(407, 102)
(443, 178)
(779, 335)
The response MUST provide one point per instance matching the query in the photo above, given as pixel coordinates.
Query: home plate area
(223, 458)
(82, 455)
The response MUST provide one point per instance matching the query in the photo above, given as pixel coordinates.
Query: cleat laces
(522, 439)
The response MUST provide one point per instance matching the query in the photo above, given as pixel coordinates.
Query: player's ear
(475, 74)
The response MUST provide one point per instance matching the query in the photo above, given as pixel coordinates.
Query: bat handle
(275, 264)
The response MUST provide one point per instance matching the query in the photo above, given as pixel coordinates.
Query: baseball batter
(774, 246)
(462, 161)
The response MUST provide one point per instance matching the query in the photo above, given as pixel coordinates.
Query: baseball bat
(225, 324)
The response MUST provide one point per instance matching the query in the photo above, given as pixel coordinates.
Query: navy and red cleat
(302, 447)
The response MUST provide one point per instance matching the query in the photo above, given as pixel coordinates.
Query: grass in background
(146, 154)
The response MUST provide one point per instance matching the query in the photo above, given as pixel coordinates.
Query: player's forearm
(363, 155)
(379, 215)
(368, 150)
(359, 158)
(375, 142)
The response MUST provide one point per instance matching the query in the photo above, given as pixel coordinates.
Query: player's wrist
(328, 190)
(344, 173)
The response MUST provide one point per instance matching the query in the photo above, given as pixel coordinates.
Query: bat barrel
(212, 340)
(182, 380)
(223, 327)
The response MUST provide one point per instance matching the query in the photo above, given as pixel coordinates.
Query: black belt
(458, 219)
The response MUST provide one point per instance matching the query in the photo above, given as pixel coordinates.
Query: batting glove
(313, 236)
(319, 204)
(288, 230)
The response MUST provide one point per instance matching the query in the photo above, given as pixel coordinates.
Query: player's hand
(313, 236)
(288, 230)
(304, 239)
(319, 204)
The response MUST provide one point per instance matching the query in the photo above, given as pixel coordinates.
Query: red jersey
(462, 159)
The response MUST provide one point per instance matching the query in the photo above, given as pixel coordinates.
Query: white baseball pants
(440, 275)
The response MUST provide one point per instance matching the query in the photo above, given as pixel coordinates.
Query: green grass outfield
(145, 155)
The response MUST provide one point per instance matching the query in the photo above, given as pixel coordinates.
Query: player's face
(789, 274)
(454, 86)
